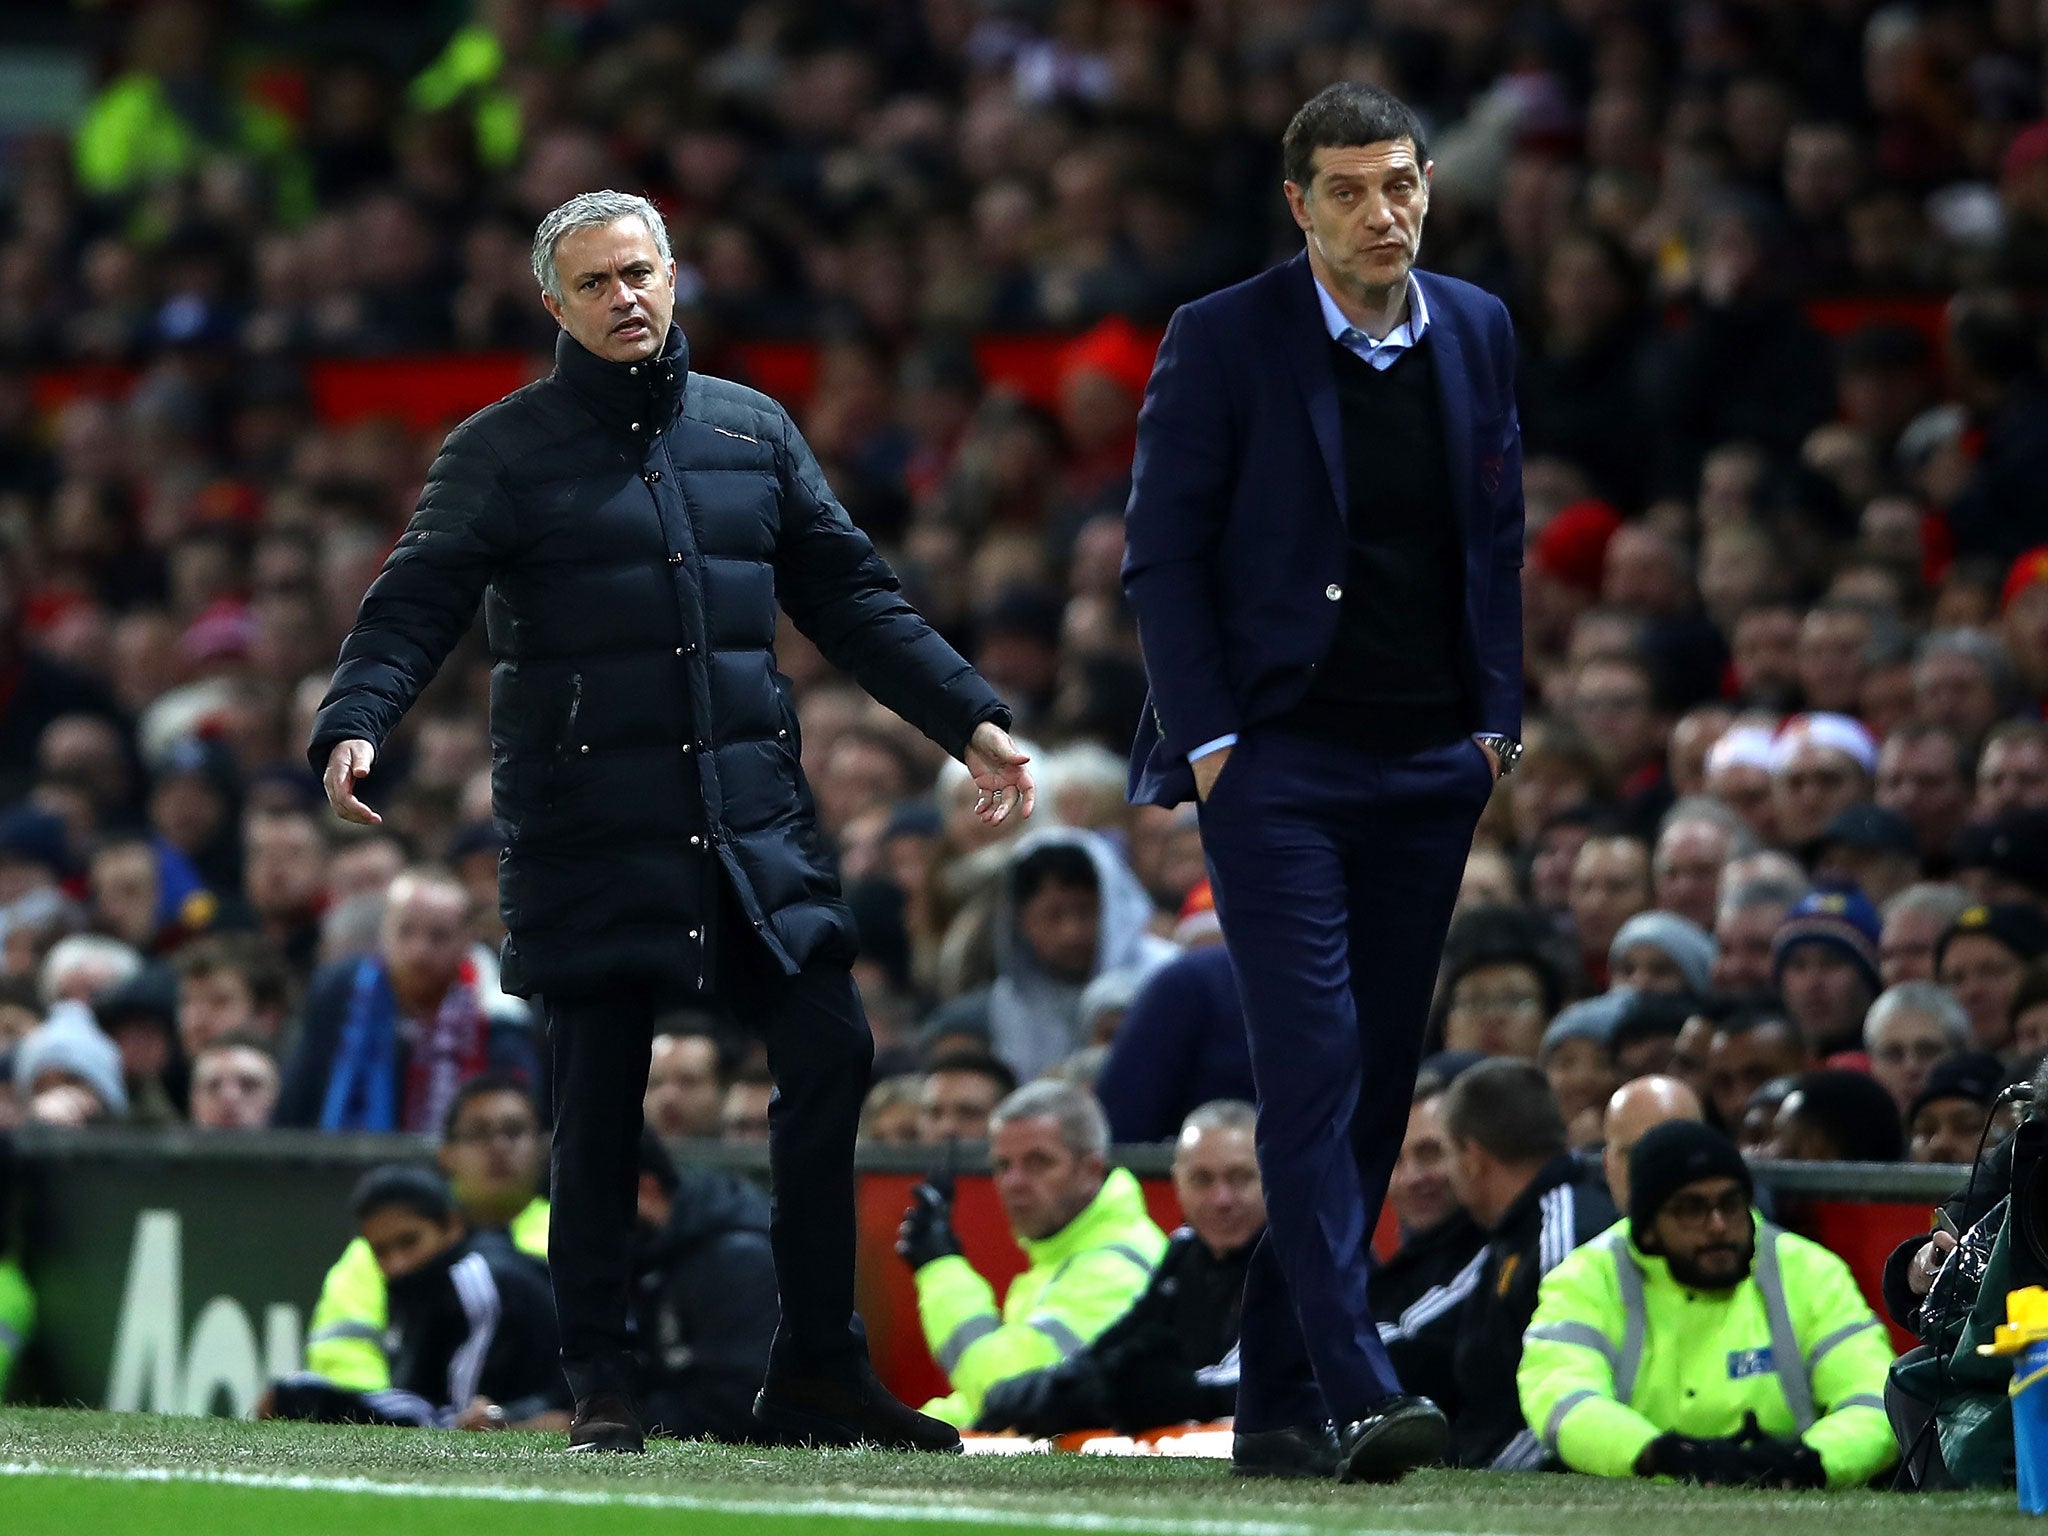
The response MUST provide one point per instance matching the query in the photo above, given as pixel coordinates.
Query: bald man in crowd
(1636, 1107)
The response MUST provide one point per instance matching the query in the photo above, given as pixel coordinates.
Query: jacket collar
(1117, 1207)
(627, 392)
(1562, 1169)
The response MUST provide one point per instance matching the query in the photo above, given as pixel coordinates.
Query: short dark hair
(1508, 1108)
(497, 1080)
(260, 964)
(419, 1190)
(1061, 864)
(239, 1040)
(982, 1064)
(1344, 115)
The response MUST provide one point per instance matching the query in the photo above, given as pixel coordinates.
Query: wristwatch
(1506, 748)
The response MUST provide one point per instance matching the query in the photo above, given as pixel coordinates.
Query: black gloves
(1715, 1463)
(1029, 1404)
(1145, 1382)
(1750, 1458)
(927, 1230)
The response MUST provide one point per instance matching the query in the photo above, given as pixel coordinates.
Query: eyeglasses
(1926, 1052)
(503, 1130)
(1694, 1210)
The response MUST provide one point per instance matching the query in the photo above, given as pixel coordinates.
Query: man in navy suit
(1324, 552)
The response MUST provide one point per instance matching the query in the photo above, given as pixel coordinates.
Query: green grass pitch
(68, 1473)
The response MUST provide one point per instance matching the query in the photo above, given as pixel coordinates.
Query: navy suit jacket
(1235, 530)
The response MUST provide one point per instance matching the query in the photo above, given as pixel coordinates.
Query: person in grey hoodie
(1070, 910)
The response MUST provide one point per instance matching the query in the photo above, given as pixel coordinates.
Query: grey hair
(1989, 654)
(1943, 903)
(1716, 813)
(591, 210)
(1924, 997)
(1220, 1115)
(1083, 1126)
(86, 952)
(1759, 893)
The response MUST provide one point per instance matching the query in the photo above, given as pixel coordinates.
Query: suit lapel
(1306, 341)
(1454, 396)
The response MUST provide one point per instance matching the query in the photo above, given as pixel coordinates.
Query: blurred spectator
(234, 1084)
(1980, 958)
(959, 1093)
(743, 1117)
(1824, 964)
(1910, 1030)
(228, 984)
(685, 1081)
(1661, 952)
(1636, 1108)
(284, 878)
(888, 1115)
(67, 1073)
(1923, 775)
(1914, 921)
(1838, 1117)
(2012, 769)
(1181, 1045)
(1947, 1119)
(1821, 764)
(1578, 1062)
(2030, 1018)
(1610, 884)
(1745, 1051)
(1699, 837)
(358, 1067)
(1745, 931)
(1089, 1244)
(1870, 848)
(704, 1305)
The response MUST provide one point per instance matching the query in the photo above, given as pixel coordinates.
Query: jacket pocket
(567, 746)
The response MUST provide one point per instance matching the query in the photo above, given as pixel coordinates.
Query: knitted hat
(1689, 946)
(1855, 1112)
(1972, 1075)
(1670, 1156)
(73, 1044)
(1593, 1019)
(1572, 548)
(1840, 917)
(2018, 925)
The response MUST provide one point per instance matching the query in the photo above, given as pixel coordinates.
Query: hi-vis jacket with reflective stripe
(1619, 1352)
(1082, 1278)
(345, 1342)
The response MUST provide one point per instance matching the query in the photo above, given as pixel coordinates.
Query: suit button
(1334, 592)
(675, 559)
(686, 749)
(679, 650)
(696, 842)
(585, 748)
(782, 735)
(636, 426)
(693, 933)
(634, 370)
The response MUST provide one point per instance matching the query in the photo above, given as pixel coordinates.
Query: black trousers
(820, 1052)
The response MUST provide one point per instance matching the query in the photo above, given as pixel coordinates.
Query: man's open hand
(349, 761)
(999, 773)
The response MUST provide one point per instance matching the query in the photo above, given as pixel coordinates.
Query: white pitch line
(811, 1508)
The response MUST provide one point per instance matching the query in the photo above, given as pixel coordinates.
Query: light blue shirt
(1381, 354)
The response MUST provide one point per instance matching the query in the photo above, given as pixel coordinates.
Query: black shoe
(607, 1423)
(823, 1410)
(1399, 1435)
(1308, 1450)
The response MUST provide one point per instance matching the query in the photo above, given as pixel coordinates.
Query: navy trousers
(1335, 872)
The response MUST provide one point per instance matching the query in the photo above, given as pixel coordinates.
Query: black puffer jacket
(631, 529)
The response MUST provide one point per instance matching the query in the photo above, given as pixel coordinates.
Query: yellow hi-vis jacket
(345, 1341)
(1619, 1352)
(1082, 1278)
(17, 1317)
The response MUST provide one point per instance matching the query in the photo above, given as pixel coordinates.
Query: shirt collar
(1406, 334)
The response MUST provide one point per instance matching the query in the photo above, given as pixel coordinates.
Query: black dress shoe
(607, 1422)
(1308, 1450)
(825, 1410)
(1399, 1435)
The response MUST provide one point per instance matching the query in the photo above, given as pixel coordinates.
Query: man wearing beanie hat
(66, 1071)
(1693, 1340)
(1662, 952)
(1981, 957)
(1945, 1123)
(1824, 961)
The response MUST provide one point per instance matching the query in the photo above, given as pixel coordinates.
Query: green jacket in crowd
(17, 1317)
(1619, 1352)
(345, 1342)
(1082, 1278)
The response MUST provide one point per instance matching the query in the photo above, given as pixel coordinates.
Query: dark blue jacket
(1236, 525)
(1181, 1044)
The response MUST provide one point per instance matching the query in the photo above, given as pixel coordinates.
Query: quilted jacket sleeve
(422, 601)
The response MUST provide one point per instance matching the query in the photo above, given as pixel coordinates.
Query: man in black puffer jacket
(630, 528)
